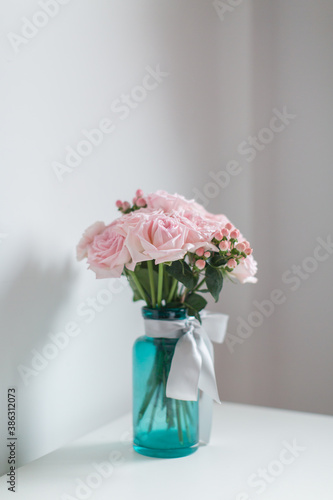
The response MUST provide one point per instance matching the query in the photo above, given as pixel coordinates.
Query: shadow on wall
(31, 303)
(28, 309)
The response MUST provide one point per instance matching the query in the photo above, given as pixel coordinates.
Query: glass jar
(163, 427)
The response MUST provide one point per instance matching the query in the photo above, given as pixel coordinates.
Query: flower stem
(152, 383)
(138, 285)
(173, 289)
(154, 408)
(160, 285)
(165, 284)
(188, 411)
(146, 401)
(199, 285)
(151, 282)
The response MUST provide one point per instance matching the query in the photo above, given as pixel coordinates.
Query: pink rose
(246, 270)
(87, 239)
(192, 208)
(205, 222)
(200, 226)
(107, 254)
(200, 233)
(154, 236)
(171, 203)
(126, 223)
(148, 239)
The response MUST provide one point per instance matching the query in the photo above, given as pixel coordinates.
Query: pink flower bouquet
(170, 249)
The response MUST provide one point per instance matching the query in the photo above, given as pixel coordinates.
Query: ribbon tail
(215, 325)
(206, 401)
(205, 417)
(207, 380)
(183, 379)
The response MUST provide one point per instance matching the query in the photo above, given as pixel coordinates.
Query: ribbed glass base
(161, 450)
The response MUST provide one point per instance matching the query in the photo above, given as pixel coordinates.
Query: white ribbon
(192, 365)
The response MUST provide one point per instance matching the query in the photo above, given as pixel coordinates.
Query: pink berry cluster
(200, 263)
(138, 202)
(226, 240)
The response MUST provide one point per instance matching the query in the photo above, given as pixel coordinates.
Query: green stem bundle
(138, 285)
(151, 282)
(178, 413)
(160, 285)
(173, 290)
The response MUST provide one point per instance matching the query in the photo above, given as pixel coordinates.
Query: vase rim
(146, 308)
(164, 312)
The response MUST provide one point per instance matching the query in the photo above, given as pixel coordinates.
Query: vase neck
(164, 313)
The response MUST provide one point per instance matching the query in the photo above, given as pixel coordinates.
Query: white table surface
(246, 441)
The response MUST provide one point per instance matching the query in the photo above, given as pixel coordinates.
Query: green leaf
(136, 293)
(197, 316)
(217, 260)
(143, 276)
(214, 281)
(175, 304)
(195, 302)
(183, 273)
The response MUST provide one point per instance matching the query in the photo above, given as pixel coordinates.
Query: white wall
(225, 76)
(62, 81)
(287, 360)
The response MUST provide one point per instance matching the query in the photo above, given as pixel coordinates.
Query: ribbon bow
(192, 365)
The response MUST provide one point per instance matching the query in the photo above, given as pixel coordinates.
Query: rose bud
(200, 252)
(223, 246)
(141, 202)
(126, 205)
(232, 263)
(200, 264)
(139, 193)
(248, 251)
(207, 254)
(218, 235)
(134, 201)
(225, 232)
(241, 247)
(229, 226)
(119, 204)
(234, 234)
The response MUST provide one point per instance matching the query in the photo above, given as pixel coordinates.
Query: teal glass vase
(163, 427)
